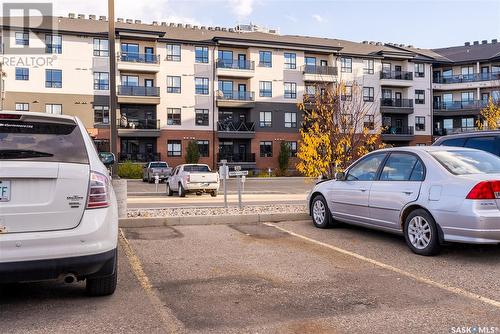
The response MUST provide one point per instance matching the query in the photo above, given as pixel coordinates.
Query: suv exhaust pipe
(69, 278)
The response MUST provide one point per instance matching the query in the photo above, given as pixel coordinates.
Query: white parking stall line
(452, 289)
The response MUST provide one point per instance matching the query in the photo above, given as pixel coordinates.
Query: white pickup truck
(193, 178)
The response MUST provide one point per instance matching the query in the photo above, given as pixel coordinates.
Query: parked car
(193, 178)
(153, 168)
(429, 194)
(488, 141)
(59, 217)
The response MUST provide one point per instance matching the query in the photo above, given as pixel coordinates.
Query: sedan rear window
(196, 169)
(468, 162)
(42, 141)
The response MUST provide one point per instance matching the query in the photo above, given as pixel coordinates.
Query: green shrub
(192, 153)
(130, 170)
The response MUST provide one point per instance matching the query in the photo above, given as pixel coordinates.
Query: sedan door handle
(363, 190)
(408, 192)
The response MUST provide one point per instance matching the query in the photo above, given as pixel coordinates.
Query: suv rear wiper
(23, 154)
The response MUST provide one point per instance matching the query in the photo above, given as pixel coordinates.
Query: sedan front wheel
(320, 212)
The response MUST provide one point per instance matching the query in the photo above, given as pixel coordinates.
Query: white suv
(58, 213)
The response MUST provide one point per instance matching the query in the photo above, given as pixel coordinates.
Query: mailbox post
(239, 174)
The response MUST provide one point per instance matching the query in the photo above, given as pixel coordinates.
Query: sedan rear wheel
(421, 233)
(320, 213)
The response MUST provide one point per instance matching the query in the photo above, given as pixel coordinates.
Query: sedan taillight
(98, 191)
(485, 190)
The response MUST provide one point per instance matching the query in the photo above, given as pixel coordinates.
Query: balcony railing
(396, 103)
(138, 91)
(235, 95)
(459, 105)
(396, 75)
(321, 70)
(236, 157)
(444, 132)
(236, 126)
(143, 58)
(138, 123)
(473, 77)
(139, 157)
(394, 130)
(235, 64)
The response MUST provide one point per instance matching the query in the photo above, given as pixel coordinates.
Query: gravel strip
(247, 210)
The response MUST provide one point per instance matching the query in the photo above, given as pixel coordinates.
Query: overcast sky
(425, 24)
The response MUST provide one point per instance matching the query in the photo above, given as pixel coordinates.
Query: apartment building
(234, 92)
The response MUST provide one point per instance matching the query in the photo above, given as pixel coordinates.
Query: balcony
(396, 78)
(138, 62)
(139, 157)
(396, 106)
(235, 68)
(235, 99)
(245, 160)
(138, 127)
(444, 132)
(319, 73)
(139, 94)
(466, 81)
(392, 134)
(458, 108)
(239, 130)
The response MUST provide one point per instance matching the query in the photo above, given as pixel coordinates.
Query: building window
(419, 123)
(101, 47)
(290, 90)
(265, 89)
(173, 116)
(293, 148)
(174, 148)
(101, 80)
(266, 149)
(266, 119)
(419, 96)
(173, 52)
(22, 106)
(265, 59)
(419, 70)
(53, 44)
(22, 73)
(368, 67)
(53, 78)
(420, 144)
(201, 86)
(368, 94)
(290, 60)
(369, 122)
(101, 114)
(346, 65)
(201, 54)
(201, 117)
(290, 120)
(22, 38)
(55, 109)
(173, 84)
(203, 148)
(346, 94)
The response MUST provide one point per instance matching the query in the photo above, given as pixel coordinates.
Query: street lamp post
(112, 84)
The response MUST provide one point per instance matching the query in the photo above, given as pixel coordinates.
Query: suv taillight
(98, 191)
(485, 190)
(187, 178)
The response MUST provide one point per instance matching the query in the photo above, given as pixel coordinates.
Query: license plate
(204, 184)
(4, 191)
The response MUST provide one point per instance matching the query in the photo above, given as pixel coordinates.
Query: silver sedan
(428, 194)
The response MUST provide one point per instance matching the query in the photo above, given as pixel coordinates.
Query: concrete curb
(212, 220)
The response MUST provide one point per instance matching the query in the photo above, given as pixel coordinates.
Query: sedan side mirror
(340, 176)
(107, 158)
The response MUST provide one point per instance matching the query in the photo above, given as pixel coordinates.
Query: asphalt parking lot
(277, 278)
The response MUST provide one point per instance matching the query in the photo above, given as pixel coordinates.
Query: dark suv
(488, 141)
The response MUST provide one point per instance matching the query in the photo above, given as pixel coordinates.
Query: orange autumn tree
(339, 126)
(489, 116)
